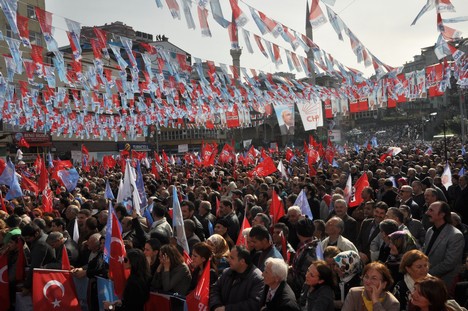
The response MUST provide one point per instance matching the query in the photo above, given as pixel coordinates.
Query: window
(31, 12)
(35, 38)
(9, 33)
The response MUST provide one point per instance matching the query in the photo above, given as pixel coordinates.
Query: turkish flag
(23, 143)
(198, 298)
(360, 184)
(117, 272)
(4, 284)
(54, 289)
(240, 238)
(276, 207)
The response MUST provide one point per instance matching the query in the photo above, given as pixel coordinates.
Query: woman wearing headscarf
(220, 251)
(348, 266)
(400, 242)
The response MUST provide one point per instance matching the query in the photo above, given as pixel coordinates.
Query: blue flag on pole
(7, 175)
(69, 178)
(15, 189)
(108, 194)
(105, 289)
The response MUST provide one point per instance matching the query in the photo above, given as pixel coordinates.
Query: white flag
(128, 191)
(282, 170)
(302, 202)
(447, 176)
(178, 222)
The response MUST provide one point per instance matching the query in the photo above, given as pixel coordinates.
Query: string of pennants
(171, 100)
(268, 25)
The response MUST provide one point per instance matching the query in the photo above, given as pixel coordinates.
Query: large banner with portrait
(285, 115)
(311, 113)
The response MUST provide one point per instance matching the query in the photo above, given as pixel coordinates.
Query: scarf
(368, 302)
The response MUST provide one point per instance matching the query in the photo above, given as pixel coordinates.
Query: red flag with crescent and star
(117, 272)
(4, 284)
(54, 289)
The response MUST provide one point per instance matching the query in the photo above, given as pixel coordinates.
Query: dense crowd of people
(402, 248)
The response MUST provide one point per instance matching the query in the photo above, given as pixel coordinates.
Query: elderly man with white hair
(291, 219)
(277, 294)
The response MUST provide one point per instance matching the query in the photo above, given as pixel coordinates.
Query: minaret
(236, 52)
(310, 53)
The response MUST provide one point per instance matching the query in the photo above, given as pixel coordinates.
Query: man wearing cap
(305, 254)
(221, 227)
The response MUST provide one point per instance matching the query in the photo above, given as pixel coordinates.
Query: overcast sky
(382, 26)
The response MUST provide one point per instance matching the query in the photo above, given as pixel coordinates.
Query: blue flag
(108, 194)
(105, 289)
(49, 160)
(69, 178)
(147, 215)
(141, 186)
(7, 176)
(108, 239)
(210, 228)
(15, 189)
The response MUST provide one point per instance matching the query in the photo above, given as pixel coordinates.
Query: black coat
(135, 294)
(284, 299)
(238, 291)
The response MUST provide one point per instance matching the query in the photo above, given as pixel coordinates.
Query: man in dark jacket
(277, 294)
(240, 287)
(41, 253)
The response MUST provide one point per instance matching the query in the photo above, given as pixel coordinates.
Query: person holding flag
(136, 291)
(202, 255)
